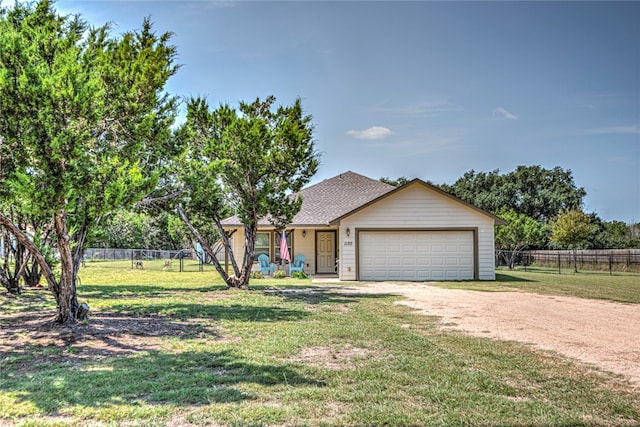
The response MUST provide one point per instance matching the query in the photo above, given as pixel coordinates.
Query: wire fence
(561, 262)
(607, 261)
(184, 260)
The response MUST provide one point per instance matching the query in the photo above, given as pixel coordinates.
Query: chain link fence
(184, 260)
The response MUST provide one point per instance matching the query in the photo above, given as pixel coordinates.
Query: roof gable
(497, 220)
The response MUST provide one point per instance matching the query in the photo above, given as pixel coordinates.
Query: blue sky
(426, 89)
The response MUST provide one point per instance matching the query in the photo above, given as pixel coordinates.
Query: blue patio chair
(297, 264)
(266, 268)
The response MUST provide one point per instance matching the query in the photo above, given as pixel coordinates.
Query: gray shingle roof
(332, 198)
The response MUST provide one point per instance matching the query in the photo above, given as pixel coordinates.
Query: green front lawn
(169, 348)
(594, 285)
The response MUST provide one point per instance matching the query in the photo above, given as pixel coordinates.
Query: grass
(187, 352)
(620, 287)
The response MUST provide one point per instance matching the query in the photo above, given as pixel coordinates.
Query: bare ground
(600, 333)
(106, 335)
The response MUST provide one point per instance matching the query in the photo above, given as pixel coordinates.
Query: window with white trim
(263, 245)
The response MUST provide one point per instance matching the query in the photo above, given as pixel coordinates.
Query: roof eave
(290, 226)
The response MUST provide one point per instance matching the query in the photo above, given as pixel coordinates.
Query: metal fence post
(611, 265)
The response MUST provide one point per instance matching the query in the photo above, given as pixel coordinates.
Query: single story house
(363, 229)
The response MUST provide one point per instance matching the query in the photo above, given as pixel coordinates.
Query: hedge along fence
(610, 260)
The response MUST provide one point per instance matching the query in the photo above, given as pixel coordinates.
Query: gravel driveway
(602, 333)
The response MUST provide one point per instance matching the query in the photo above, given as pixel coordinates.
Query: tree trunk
(240, 278)
(242, 281)
(575, 260)
(205, 245)
(511, 259)
(24, 240)
(32, 273)
(78, 249)
(227, 245)
(11, 281)
(67, 297)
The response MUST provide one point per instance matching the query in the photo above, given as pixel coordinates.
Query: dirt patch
(105, 335)
(331, 358)
(601, 333)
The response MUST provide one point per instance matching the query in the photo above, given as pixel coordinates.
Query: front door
(326, 251)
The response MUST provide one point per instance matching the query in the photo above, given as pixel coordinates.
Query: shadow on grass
(27, 340)
(509, 278)
(148, 291)
(28, 301)
(236, 312)
(154, 377)
(320, 295)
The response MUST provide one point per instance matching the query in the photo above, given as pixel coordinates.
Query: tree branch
(35, 252)
(203, 243)
(149, 200)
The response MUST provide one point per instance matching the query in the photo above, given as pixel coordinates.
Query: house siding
(305, 246)
(417, 208)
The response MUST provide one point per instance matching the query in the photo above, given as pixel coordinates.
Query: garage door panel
(423, 249)
(466, 262)
(451, 262)
(409, 275)
(423, 262)
(409, 262)
(437, 275)
(416, 255)
(394, 262)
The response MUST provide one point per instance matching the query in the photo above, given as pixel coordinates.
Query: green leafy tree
(246, 161)
(487, 191)
(610, 235)
(570, 229)
(87, 118)
(533, 191)
(520, 233)
(134, 229)
(396, 182)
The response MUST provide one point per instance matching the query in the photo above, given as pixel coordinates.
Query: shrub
(300, 275)
(256, 275)
(279, 274)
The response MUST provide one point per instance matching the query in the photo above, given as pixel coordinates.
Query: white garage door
(416, 255)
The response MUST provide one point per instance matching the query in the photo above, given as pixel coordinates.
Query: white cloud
(374, 132)
(501, 112)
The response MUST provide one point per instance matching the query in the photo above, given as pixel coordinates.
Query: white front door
(326, 251)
